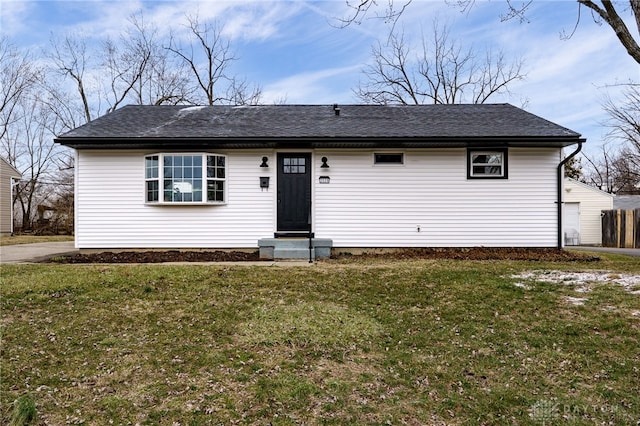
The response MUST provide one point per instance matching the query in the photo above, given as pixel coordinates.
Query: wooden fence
(621, 228)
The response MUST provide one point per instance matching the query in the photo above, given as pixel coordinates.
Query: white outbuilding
(583, 206)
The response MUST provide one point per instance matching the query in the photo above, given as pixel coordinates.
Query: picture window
(185, 178)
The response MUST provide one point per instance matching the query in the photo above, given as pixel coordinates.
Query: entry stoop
(294, 248)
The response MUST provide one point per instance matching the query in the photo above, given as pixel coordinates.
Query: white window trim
(160, 179)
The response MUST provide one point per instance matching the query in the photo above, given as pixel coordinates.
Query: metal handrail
(310, 237)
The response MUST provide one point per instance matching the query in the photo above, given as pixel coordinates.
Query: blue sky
(292, 50)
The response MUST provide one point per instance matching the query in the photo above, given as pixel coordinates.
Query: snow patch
(188, 110)
(522, 285)
(576, 301)
(582, 279)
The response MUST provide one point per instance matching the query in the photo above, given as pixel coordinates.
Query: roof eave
(319, 142)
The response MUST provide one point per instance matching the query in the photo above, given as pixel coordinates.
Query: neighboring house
(8, 176)
(356, 176)
(583, 206)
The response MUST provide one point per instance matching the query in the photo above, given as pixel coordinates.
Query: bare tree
(624, 117)
(606, 11)
(615, 170)
(600, 172)
(140, 70)
(133, 66)
(35, 156)
(79, 84)
(217, 57)
(69, 59)
(124, 66)
(627, 166)
(28, 121)
(240, 92)
(18, 75)
(618, 169)
(213, 82)
(442, 73)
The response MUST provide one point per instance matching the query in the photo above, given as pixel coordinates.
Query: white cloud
(325, 86)
(259, 21)
(12, 16)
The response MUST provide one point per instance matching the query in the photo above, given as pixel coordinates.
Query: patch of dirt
(474, 253)
(159, 257)
(479, 253)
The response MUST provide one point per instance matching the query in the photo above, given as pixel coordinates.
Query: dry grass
(371, 342)
(29, 239)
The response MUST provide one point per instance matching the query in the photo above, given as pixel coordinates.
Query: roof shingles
(319, 122)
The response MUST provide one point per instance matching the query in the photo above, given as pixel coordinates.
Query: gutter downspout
(559, 184)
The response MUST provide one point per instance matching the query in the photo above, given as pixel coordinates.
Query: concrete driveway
(625, 251)
(26, 253)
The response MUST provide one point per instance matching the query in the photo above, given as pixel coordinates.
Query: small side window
(388, 158)
(487, 164)
(152, 179)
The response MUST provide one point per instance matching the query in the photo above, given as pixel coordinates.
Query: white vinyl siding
(592, 201)
(111, 211)
(368, 206)
(364, 205)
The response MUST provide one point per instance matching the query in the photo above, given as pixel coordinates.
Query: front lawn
(30, 239)
(341, 342)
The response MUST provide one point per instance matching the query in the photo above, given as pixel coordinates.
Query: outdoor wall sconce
(265, 162)
(324, 163)
(325, 179)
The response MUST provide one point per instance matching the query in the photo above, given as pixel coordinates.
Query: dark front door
(294, 192)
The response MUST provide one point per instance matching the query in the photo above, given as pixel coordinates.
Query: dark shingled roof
(317, 125)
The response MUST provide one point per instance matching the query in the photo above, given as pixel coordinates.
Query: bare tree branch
(359, 9)
(69, 57)
(444, 73)
(217, 57)
(610, 15)
(240, 92)
(35, 156)
(18, 74)
(125, 65)
(607, 10)
(617, 170)
(156, 79)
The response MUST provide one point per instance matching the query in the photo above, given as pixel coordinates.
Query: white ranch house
(351, 176)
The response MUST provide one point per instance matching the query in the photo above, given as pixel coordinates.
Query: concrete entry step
(294, 248)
